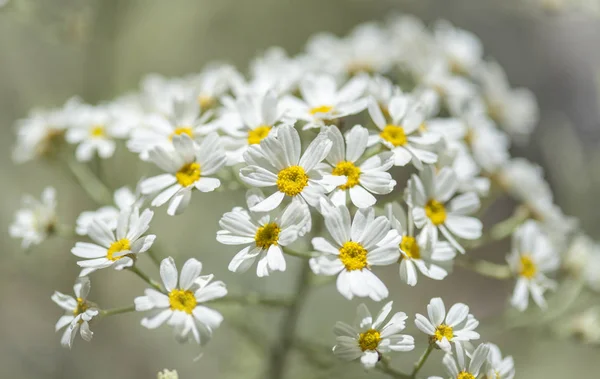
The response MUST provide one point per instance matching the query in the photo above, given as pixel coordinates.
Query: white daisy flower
(457, 366)
(498, 367)
(274, 70)
(188, 166)
(211, 84)
(432, 259)
(357, 246)
(263, 234)
(124, 199)
(119, 248)
(181, 307)
(322, 100)
(363, 179)
(168, 374)
(368, 339)
(584, 326)
(276, 161)
(382, 90)
(401, 135)
(462, 49)
(36, 220)
(79, 312)
(430, 195)
(457, 327)
(532, 257)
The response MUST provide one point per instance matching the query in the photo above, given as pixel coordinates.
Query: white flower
(168, 374)
(368, 339)
(181, 307)
(430, 195)
(532, 257)
(498, 367)
(277, 161)
(78, 314)
(368, 177)
(124, 199)
(584, 326)
(357, 246)
(458, 326)
(457, 366)
(323, 101)
(36, 221)
(401, 135)
(432, 259)
(119, 248)
(263, 234)
(462, 49)
(211, 84)
(188, 166)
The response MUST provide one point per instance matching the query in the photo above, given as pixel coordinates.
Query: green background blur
(53, 49)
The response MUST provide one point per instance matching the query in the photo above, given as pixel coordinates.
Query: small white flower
(168, 374)
(457, 327)
(498, 367)
(462, 49)
(368, 177)
(124, 199)
(584, 326)
(430, 195)
(532, 257)
(263, 234)
(36, 221)
(277, 161)
(368, 339)
(432, 259)
(357, 246)
(181, 307)
(211, 84)
(457, 366)
(401, 135)
(78, 314)
(119, 248)
(188, 166)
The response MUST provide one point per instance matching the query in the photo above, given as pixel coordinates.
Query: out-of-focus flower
(37, 220)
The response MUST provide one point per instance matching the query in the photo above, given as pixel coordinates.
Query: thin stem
(146, 278)
(384, 366)
(297, 253)
(117, 311)
(485, 268)
(90, 183)
(421, 361)
(253, 299)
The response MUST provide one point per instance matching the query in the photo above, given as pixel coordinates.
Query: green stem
(297, 253)
(117, 311)
(384, 366)
(90, 183)
(421, 361)
(485, 268)
(146, 278)
(253, 299)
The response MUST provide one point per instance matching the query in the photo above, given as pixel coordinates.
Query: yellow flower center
(353, 256)
(321, 109)
(350, 170)
(258, 134)
(267, 235)
(435, 211)
(443, 331)
(117, 247)
(81, 307)
(410, 247)
(98, 131)
(357, 67)
(182, 300)
(394, 134)
(369, 340)
(292, 180)
(182, 130)
(206, 102)
(528, 268)
(188, 174)
(465, 375)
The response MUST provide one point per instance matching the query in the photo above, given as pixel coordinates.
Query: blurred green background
(53, 49)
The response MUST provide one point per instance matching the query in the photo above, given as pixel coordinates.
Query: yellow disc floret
(321, 109)
(98, 131)
(394, 134)
(436, 212)
(465, 375)
(182, 130)
(82, 306)
(182, 300)
(369, 340)
(410, 247)
(443, 331)
(188, 174)
(349, 170)
(528, 267)
(292, 180)
(267, 235)
(353, 256)
(258, 134)
(117, 247)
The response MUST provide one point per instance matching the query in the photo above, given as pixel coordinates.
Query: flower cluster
(395, 138)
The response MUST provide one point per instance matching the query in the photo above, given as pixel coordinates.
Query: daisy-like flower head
(368, 339)
(430, 195)
(188, 166)
(124, 199)
(79, 312)
(357, 245)
(363, 179)
(401, 134)
(323, 101)
(36, 220)
(498, 367)
(119, 248)
(532, 257)
(457, 327)
(462, 49)
(277, 161)
(211, 84)
(418, 252)
(181, 306)
(263, 234)
(463, 366)
(168, 374)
